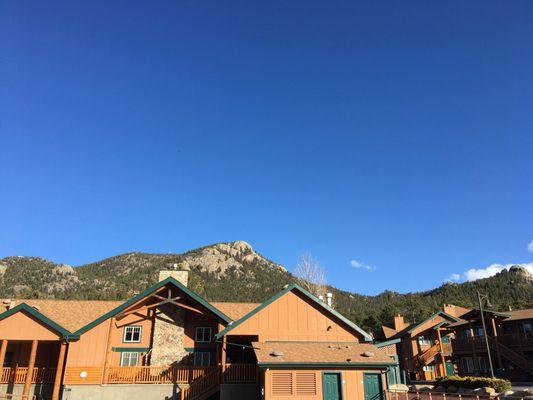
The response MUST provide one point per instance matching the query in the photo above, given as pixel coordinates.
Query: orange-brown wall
(352, 383)
(21, 326)
(294, 318)
(90, 349)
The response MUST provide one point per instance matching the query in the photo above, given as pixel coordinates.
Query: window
(129, 359)
(203, 334)
(467, 364)
(527, 327)
(507, 328)
(132, 334)
(202, 359)
(424, 341)
(428, 368)
(483, 363)
(478, 331)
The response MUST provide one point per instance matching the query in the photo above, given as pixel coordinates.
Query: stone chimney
(181, 276)
(168, 347)
(399, 323)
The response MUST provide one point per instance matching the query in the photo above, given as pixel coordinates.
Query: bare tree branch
(311, 275)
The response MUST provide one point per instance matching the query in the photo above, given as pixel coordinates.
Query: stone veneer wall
(169, 329)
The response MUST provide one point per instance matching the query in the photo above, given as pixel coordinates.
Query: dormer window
(132, 334)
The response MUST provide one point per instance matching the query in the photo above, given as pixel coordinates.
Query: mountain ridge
(218, 270)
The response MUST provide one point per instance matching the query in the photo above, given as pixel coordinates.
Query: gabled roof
(437, 314)
(475, 313)
(388, 332)
(70, 314)
(140, 296)
(304, 292)
(23, 307)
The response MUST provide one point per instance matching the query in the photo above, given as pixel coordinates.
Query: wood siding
(292, 317)
(292, 384)
(21, 326)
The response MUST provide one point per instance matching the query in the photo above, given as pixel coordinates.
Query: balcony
(231, 373)
(19, 374)
(517, 340)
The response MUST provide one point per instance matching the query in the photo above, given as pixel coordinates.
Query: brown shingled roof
(319, 353)
(71, 314)
(235, 310)
(526, 313)
(75, 314)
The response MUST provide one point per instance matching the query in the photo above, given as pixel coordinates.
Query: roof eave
(145, 293)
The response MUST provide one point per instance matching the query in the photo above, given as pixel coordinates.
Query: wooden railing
(19, 374)
(201, 388)
(141, 374)
(239, 373)
(431, 395)
(517, 340)
(156, 374)
(230, 373)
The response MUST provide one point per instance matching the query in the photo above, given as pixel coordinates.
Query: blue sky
(392, 135)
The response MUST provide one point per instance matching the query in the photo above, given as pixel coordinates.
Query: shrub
(474, 382)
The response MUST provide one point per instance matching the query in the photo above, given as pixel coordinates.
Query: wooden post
(472, 340)
(59, 370)
(223, 361)
(442, 368)
(108, 351)
(31, 365)
(495, 333)
(3, 348)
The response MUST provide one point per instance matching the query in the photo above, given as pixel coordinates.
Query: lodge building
(170, 343)
(453, 342)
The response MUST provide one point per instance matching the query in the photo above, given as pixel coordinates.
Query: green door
(332, 386)
(450, 369)
(373, 388)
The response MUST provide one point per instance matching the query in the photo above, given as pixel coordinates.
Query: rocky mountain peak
(522, 271)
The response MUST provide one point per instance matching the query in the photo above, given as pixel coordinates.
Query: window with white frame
(202, 359)
(428, 368)
(129, 359)
(203, 334)
(132, 334)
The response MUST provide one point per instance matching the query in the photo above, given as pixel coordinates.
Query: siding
(292, 317)
(297, 384)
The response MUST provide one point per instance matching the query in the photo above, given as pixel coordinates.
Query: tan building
(168, 342)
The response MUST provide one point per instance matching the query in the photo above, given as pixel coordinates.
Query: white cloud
(530, 246)
(361, 265)
(453, 278)
(479, 273)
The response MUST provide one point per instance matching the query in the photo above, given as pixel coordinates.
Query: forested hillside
(235, 272)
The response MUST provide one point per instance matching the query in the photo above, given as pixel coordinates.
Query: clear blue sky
(398, 134)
